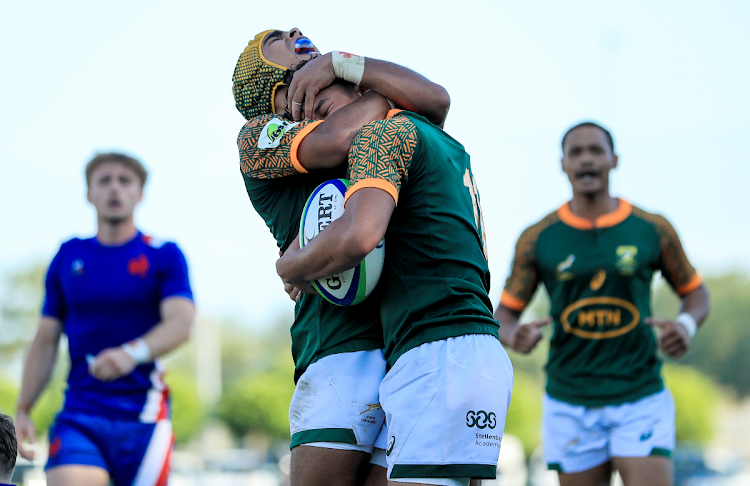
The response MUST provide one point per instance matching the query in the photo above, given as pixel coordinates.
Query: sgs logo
(481, 419)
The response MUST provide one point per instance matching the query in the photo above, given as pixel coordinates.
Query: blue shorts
(133, 453)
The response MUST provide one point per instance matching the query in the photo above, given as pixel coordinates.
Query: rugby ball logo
(350, 287)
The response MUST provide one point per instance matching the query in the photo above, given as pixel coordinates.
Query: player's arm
(519, 289)
(404, 87)
(178, 315)
(344, 243)
(306, 146)
(328, 144)
(675, 335)
(36, 374)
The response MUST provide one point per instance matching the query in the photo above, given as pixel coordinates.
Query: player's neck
(111, 233)
(592, 206)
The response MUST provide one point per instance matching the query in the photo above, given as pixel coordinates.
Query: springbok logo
(563, 266)
(372, 407)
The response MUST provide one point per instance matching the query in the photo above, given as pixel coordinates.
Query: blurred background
(153, 78)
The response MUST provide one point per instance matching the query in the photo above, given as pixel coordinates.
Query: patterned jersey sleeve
(673, 263)
(268, 146)
(381, 155)
(524, 275)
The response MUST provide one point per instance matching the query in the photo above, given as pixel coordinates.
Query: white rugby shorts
(445, 403)
(335, 403)
(577, 438)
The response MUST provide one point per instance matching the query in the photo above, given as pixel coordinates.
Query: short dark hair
(289, 76)
(590, 124)
(119, 158)
(8, 446)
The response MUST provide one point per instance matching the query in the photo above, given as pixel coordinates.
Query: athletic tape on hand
(350, 67)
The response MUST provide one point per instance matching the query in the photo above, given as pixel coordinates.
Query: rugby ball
(350, 287)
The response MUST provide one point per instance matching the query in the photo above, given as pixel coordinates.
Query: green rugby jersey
(435, 277)
(278, 189)
(598, 276)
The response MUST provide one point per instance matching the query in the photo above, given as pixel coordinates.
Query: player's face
(114, 190)
(288, 48)
(327, 101)
(587, 160)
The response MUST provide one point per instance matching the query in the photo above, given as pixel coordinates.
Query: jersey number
(471, 184)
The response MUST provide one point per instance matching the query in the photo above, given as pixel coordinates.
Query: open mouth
(305, 46)
(587, 174)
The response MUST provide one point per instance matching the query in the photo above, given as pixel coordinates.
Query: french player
(123, 299)
(335, 414)
(605, 406)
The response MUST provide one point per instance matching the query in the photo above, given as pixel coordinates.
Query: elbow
(358, 245)
(441, 103)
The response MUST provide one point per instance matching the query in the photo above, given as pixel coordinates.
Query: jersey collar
(604, 221)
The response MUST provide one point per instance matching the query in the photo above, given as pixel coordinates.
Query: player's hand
(25, 432)
(112, 363)
(526, 336)
(673, 337)
(307, 82)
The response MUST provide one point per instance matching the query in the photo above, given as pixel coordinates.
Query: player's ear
(88, 194)
(615, 159)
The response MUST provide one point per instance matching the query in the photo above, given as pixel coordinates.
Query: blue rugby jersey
(105, 296)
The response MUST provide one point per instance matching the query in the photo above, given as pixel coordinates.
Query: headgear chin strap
(255, 80)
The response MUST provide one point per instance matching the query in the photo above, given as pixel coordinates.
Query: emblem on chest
(627, 259)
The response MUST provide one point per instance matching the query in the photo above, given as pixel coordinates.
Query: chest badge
(563, 267)
(76, 268)
(138, 266)
(627, 259)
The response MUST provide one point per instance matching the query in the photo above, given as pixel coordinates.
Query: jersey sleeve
(268, 146)
(673, 263)
(54, 302)
(381, 155)
(524, 275)
(175, 282)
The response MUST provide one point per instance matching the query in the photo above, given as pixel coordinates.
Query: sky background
(153, 78)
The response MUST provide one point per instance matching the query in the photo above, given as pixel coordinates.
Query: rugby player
(335, 415)
(449, 382)
(605, 406)
(123, 299)
(8, 450)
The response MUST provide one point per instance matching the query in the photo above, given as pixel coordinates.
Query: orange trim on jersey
(295, 145)
(392, 113)
(375, 183)
(693, 284)
(512, 302)
(604, 221)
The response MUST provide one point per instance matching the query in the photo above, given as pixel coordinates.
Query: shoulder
(397, 132)
(531, 233)
(659, 223)
(159, 245)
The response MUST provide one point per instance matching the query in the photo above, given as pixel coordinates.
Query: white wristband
(138, 350)
(688, 322)
(350, 67)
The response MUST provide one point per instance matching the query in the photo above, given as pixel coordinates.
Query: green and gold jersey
(598, 276)
(435, 277)
(278, 188)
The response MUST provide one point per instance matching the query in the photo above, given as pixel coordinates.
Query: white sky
(153, 78)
